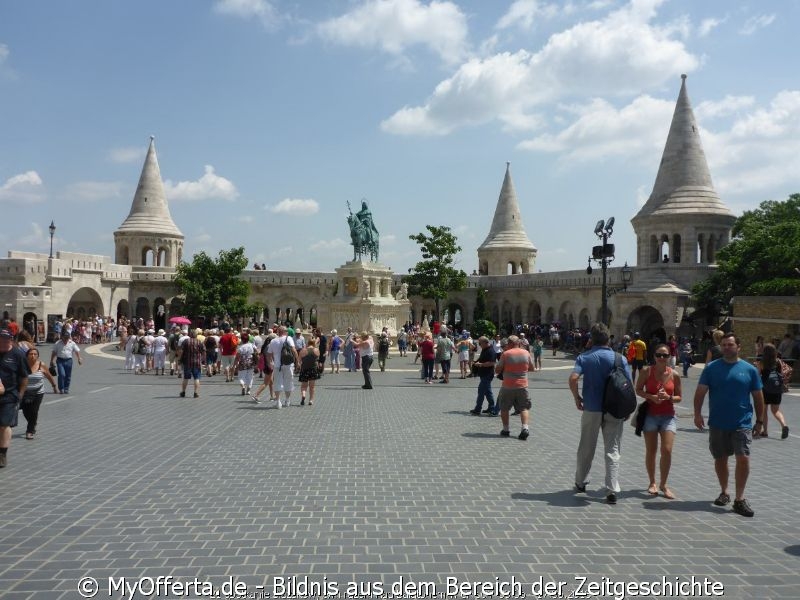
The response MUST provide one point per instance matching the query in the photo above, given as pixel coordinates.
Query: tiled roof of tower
(149, 210)
(683, 184)
(507, 230)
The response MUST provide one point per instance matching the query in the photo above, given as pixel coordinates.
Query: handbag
(53, 371)
(641, 415)
(786, 374)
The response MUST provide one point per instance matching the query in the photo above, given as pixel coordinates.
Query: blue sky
(270, 115)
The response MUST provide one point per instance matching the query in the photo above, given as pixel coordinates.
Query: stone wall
(768, 316)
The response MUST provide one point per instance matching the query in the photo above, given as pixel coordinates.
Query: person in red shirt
(514, 365)
(428, 355)
(228, 343)
(660, 385)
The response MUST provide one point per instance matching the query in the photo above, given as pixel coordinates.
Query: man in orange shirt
(513, 368)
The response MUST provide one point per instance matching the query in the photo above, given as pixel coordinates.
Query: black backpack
(287, 356)
(141, 345)
(773, 382)
(383, 345)
(619, 397)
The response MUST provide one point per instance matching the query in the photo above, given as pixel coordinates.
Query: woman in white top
(366, 347)
(159, 352)
(61, 358)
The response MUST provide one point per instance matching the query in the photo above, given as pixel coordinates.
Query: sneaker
(302, 401)
(243, 392)
(3, 461)
(196, 395)
(256, 400)
(580, 489)
(523, 435)
(475, 412)
(183, 394)
(722, 500)
(741, 507)
(277, 403)
(488, 411)
(505, 433)
(784, 432)
(611, 498)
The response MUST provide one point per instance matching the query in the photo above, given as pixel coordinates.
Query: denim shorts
(660, 423)
(8, 414)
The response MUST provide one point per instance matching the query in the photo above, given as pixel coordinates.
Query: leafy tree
(481, 310)
(761, 258)
(212, 287)
(483, 327)
(435, 277)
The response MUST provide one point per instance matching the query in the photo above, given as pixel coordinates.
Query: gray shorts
(724, 443)
(516, 397)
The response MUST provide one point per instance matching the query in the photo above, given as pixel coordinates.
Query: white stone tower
(507, 249)
(149, 237)
(684, 222)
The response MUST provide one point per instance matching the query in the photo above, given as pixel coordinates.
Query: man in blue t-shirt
(730, 382)
(594, 366)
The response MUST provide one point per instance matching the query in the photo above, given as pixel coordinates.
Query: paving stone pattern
(126, 479)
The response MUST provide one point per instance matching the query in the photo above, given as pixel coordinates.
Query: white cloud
(245, 219)
(127, 155)
(621, 53)
(281, 252)
(262, 10)
(602, 131)
(753, 24)
(25, 188)
(760, 150)
(202, 237)
(295, 207)
(94, 191)
(393, 26)
(36, 237)
(328, 245)
(524, 14)
(209, 187)
(708, 25)
(729, 105)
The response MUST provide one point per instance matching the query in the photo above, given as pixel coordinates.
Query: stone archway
(455, 316)
(160, 313)
(142, 308)
(534, 312)
(85, 303)
(648, 322)
(123, 309)
(583, 320)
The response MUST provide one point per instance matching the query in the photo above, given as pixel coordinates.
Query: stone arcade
(679, 231)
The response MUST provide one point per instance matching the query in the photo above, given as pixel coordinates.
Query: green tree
(212, 287)
(435, 277)
(761, 258)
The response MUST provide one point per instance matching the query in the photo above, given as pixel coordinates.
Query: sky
(270, 115)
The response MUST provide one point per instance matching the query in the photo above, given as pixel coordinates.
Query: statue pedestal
(364, 300)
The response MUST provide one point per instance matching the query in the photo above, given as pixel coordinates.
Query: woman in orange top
(660, 385)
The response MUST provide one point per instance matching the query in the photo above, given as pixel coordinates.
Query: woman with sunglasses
(34, 393)
(660, 385)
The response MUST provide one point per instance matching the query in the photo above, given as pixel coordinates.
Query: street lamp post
(52, 233)
(603, 255)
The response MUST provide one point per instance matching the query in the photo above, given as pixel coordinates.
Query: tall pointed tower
(507, 249)
(149, 237)
(684, 222)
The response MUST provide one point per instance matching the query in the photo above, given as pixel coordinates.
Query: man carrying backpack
(595, 365)
(282, 358)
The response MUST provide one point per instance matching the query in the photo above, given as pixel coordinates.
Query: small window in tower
(145, 199)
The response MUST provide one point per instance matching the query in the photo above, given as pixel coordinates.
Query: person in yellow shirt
(639, 354)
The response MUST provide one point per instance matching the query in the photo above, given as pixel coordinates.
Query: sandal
(667, 493)
(652, 489)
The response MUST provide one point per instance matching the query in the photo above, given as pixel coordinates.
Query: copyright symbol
(87, 587)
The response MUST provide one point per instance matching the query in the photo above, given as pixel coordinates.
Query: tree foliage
(212, 287)
(761, 258)
(435, 276)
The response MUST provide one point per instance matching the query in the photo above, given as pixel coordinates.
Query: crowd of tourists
(264, 362)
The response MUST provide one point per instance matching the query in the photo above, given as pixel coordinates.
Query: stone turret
(148, 236)
(507, 249)
(684, 223)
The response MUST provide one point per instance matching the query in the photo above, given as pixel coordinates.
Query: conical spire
(149, 211)
(507, 229)
(683, 184)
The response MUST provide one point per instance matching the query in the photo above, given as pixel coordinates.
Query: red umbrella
(180, 321)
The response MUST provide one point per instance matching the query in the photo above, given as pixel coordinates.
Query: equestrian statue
(363, 233)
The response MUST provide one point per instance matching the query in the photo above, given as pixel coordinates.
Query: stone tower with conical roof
(149, 237)
(507, 249)
(684, 223)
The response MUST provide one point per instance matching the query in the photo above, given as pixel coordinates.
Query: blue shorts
(193, 373)
(8, 414)
(660, 423)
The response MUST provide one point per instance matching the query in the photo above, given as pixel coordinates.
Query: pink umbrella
(180, 321)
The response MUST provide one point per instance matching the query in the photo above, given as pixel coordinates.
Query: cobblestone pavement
(397, 485)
